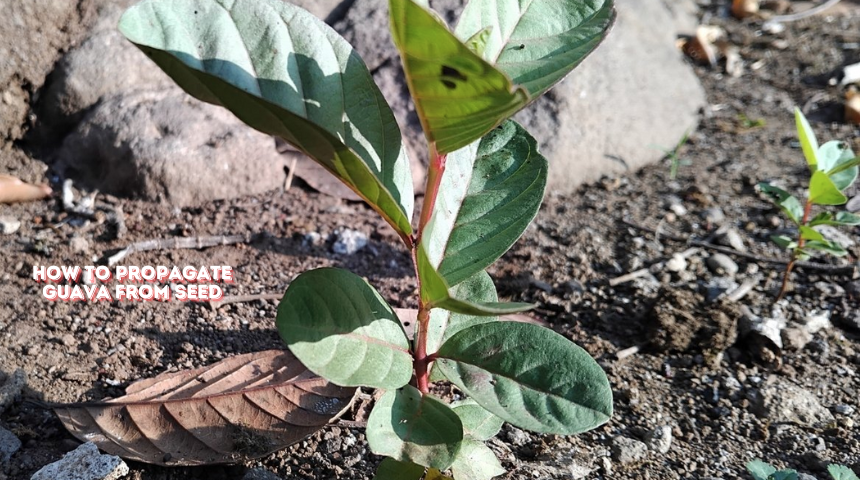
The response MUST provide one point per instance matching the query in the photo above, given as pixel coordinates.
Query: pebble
(348, 242)
(518, 437)
(84, 462)
(678, 209)
(677, 263)
(721, 263)
(795, 338)
(660, 439)
(79, 244)
(718, 286)
(844, 409)
(732, 238)
(784, 402)
(311, 239)
(817, 322)
(627, 450)
(260, 474)
(714, 215)
(68, 340)
(853, 204)
(827, 289)
(9, 444)
(9, 225)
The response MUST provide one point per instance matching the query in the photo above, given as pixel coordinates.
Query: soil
(694, 371)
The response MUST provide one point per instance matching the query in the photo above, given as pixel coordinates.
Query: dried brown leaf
(243, 407)
(13, 190)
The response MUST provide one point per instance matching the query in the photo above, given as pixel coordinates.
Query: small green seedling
(833, 169)
(674, 156)
(286, 73)
(764, 471)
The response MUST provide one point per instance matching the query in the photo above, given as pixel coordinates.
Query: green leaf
(476, 462)
(391, 469)
(760, 470)
(489, 194)
(529, 376)
(784, 241)
(841, 472)
(286, 73)
(853, 163)
(410, 427)
(808, 233)
(826, 246)
(478, 423)
(342, 330)
(788, 203)
(478, 42)
(537, 43)
(836, 159)
(436, 293)
(822, 191)
(444, 323)
(808, 142)
(459, 97)
(784, 475)
(842, 219)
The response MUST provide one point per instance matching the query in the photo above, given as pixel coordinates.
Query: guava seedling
(764, 471)
(833, 168)
(286, 73)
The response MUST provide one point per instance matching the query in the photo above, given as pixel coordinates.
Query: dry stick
(216, 304)
(848, 270)
(644, 271)
(289, 181)
(177, 243)
(804, 14)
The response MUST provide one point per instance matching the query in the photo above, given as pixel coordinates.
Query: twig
(801, 15)
(629, 277)
(175, 244)
(848, 270)
(288, 183)
(215, 305)
(628, 352)
(737, 294)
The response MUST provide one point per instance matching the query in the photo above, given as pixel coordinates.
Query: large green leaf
(841, 219)
(788, 203)
(826, 246)
(459, 96)
(529, 376)
(435, 293)
(391, 469)
(476, 461)
(808, 142)
(838, 161)
(444, 323)
(841, 472)
(822, 190)
(537, 42)
(489, 194)
(342, 330)
(410, 427)
(286, 73)
(478, 423)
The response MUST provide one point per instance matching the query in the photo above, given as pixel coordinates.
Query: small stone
(853, 205)
(677, 263)
(844, 409)
(714, 215)
(518, 437)
(784, 402)
(660, 439)
(79, 244)
(311, 239)
(68, 340)
(9, 225)
(718, 286)
(84, 463)
(795, 338)
(627, 450)
(540, 285)
(9, 444)
(348, 242)
(817, 322)
(678, 209)
(10, 390)
(732, 238)
(722, 264)
(827, 289)
(850, 319)
(260, 474)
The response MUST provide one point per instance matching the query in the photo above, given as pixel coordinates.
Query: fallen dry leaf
(852, 106)
(240, 408)
(744, 8)
(13, 190)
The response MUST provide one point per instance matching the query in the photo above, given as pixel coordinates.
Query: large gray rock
(635, 92)
(784, 402)
(84, 463)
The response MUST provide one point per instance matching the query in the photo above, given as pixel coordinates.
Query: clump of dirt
(681, 321)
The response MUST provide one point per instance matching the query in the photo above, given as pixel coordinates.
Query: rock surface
(84, 463)
(9, 444)
(628, 450)
(784, 402)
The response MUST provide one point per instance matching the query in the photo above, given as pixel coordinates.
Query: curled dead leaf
(745, 8)
(13, 190)
(243, 407)
(852, 106)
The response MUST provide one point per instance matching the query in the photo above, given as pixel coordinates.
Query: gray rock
(784, 402)
(79, 244)
(722, 264)
(84, 463)
(165, 146)
(260, 474)
(805, 476)
(594, 108)
(11, 389)
(850, 319)
(769, 328)
(677, 263)
(348, 242)
(732, 238)
(795, 338)
(719, 286)
(853, 205)
(627, 450)
(844, 409)
(518, 437)
(660, 439)
(714, 215)
(9, 225)
(9, 444)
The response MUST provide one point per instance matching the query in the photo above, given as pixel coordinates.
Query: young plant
(764, 471)
(833, 168)
(286, 73)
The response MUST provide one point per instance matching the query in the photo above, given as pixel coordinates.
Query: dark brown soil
(690, 374)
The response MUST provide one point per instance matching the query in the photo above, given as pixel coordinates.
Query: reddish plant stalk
(807, 211)
(421, 359)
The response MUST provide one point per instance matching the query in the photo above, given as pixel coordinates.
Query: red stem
(807, 211)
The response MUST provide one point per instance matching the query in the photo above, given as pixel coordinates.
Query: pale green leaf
(760, 470)
(445, 323)
(788, 203)
(342, 330)
(808, 142)
(478, 423)
(476, 461)
(537, 43)
(489, 194)
(822, 191)
(459, 97)
(286, 73)
(391, 469)
(478, 42)
(836, 159)
(807, 233)
(842, 219)
(841, 472)
(410, 427)
(784, 241)
(826, 246)
(529, 376)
